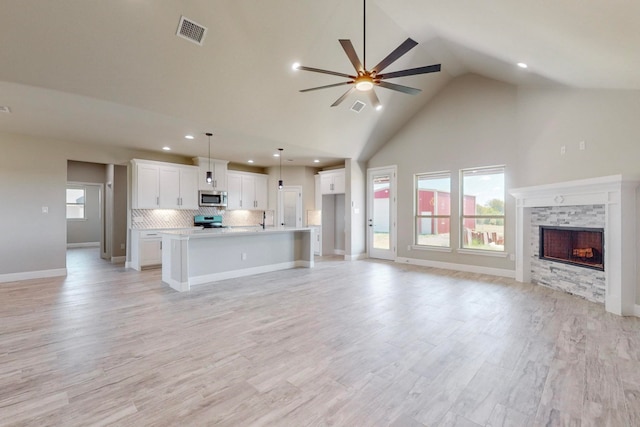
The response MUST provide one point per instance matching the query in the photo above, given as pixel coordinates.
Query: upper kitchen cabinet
(219, 169)
(246, 190)
(158, 185)
(332, 181)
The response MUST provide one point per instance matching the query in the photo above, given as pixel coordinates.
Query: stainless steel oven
(212, 198)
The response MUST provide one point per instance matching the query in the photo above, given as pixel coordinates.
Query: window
(75, 202)
(482, 222)
(433, 209)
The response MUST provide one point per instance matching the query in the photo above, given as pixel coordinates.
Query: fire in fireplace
(583, 247)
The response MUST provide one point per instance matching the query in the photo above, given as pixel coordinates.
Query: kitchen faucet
(264, 219)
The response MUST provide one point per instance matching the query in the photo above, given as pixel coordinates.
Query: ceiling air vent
(358, 106)
(191, 30)
(4, 109)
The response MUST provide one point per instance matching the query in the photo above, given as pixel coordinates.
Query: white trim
(618, 195)
(356, 257)
(459, 267)
(497, 254)
(28, 275)
(118, 259)
(233, 274)
(636, 310)
(83, 245)
(431, 248)
(338, 251)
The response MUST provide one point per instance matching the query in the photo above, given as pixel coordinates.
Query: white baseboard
(28, 275)
(118, 259)
(233, 274)
(338, 251)
(636, 310)
(459, 267)
(357, 257)
(83, 245)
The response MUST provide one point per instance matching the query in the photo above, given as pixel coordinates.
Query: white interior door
(381, 213)
(290, 206)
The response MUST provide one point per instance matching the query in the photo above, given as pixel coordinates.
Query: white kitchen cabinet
(246, 190)
(317, 241)
(332, 182)
(146, 186)
(146, 248)
(219, 169)
(158, 185)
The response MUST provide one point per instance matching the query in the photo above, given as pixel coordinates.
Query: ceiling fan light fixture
(364, 83)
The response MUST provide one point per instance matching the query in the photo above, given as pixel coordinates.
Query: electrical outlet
(563, 150)
(583, 145)
(138, 219)
(408, 247)
(512, 257)
(121, 245)
(244, 256)
(45, 209)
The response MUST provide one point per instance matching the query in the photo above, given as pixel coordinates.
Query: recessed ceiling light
(316, 161)
(276, 155)
(188, 136)
(166, 148)
(379, 107)
(522, 65)
(295, 66)
(249, 161)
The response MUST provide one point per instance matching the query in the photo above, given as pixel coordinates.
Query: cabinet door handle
(157, 200)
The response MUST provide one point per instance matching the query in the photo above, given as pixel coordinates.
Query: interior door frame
(298, 189)
(391, 254)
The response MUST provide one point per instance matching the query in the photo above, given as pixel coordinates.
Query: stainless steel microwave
(212, 198)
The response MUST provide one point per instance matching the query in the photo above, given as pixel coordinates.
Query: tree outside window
(76, 197)
(483, 208)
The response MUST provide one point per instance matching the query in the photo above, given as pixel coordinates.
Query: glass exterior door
(381, 213)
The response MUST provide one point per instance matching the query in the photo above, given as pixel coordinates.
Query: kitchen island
(194, 257)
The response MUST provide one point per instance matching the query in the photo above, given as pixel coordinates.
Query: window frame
(417, 216)
(463, 217)
(84, 204)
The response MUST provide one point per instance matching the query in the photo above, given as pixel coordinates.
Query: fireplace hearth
(583, 247)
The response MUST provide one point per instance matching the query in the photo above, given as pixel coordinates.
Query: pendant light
(280, 183)
(209, 173)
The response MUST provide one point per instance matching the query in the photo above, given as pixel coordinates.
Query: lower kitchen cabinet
(146, 249)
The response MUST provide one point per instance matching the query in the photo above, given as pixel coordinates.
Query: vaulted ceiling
(114, 72)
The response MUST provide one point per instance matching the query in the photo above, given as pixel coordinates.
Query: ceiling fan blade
(410, 72)
(318, 70)
(405, 47)
(327, 86)
(399, 88)
(342, 98)
(351, 53)
(374, 99)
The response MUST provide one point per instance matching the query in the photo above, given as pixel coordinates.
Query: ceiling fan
(364, 79)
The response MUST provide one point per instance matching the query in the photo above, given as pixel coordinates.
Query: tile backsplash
(174, 218)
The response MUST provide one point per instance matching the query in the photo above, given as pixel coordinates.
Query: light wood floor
(360, 343)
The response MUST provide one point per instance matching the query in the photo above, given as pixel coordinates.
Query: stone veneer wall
(584, 282)
(174, 218)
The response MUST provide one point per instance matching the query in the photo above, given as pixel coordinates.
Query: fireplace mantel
(619, 198)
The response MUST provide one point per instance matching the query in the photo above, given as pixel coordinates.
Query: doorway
(381, 211)
(290, 206)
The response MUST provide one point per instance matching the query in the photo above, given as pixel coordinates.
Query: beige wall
(33, 174)
(471, 123)
(480, 122)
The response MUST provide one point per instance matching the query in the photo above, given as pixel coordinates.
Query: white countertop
(230, 231)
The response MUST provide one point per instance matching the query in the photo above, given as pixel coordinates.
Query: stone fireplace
(605, 206)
